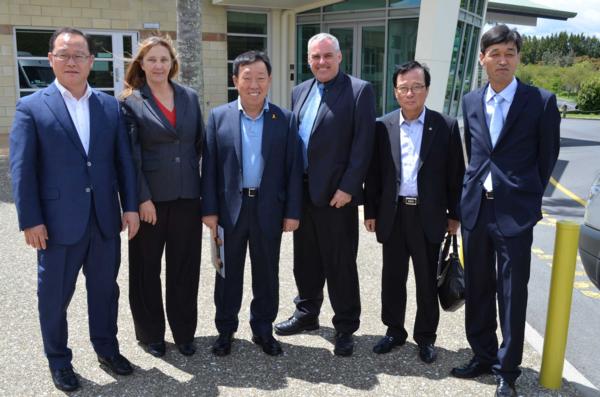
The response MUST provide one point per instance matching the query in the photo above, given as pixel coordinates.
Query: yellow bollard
(559, 304)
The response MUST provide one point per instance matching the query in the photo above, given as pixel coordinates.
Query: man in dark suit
(411, 199)
(336, 113)
(70, 162)
(512, 138)
(252, 188)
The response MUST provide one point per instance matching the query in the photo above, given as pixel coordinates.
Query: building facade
(375, 36)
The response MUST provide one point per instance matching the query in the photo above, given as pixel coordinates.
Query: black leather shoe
(471, 370)
(187, 349)
(117, 364)
(222, 345)
(293, 326)
(427, 353)
(65, 379)
(505, 388)
(386, 344)
(344, 344)
(268, 344)
(157, 349)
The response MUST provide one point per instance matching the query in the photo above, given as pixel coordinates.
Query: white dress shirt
(79, 110)
(411, 135)
(507, 94)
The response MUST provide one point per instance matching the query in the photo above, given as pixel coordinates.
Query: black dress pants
(408, 240)
(264, 258)
(496, 266)
(325, 248)
(178, 230)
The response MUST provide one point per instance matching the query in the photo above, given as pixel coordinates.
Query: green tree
(588, 98)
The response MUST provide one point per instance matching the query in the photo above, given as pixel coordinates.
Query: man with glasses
(412, 194)
(72, 171)
(336, 114)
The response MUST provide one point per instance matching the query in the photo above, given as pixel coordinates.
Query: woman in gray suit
(166, 131)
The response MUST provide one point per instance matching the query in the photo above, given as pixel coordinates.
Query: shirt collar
(331, 82)
(67, 94)
(508, 93)
(241, 108)
(420, 119)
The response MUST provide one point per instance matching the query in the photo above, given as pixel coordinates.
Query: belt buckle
(410, 200)
(251, 192)
(489, 195)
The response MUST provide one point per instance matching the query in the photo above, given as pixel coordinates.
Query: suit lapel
(269, 121)
(429, 131)
(233, 126)
(480, 114)
(96, 119)
(393, 129)
(331, 97)
(154, 109)
(302, 99)
(180, 106)
(517, 105)
(56, 103)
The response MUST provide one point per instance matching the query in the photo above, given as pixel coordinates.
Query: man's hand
(340, 199)
(211, 221)
(370, 225)
(148, 212)
(131, 221)
(36, 236)
(453, 226)
(289, 225)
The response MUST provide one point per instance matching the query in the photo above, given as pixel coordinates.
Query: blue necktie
(306, 125)
(496, 124)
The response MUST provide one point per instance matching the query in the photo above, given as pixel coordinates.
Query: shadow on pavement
(562, 207)
(5, 189)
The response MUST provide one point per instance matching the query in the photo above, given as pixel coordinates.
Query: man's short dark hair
(410, 65)
(500, 34)
(249, 57)
(60, 31)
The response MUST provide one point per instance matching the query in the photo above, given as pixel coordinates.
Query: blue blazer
(280, 190)
(521, 163)
(53, 179)
(342, 138)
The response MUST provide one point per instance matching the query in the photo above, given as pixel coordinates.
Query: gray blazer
(167, 159)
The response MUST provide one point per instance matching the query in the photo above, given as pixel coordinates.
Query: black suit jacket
(439, 178)
(342, 138)
(521, 162)
(167, 159)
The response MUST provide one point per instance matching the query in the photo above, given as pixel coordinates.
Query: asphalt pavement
(307, 368)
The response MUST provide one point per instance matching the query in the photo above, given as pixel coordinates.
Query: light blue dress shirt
(507, 94)
(308, 115)
(252, 132)
(411, 136)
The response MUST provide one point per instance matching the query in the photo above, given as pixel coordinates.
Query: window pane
(237, 45)
(453, 65)
(101, 75)
(242, 22)
(304, 32)
(229, 74)
(402, 42)
(346, 38)
(232, 95)
(127, 47)
(405, 3)
(355, 5)
(33, 42)
(102, 46)
(373, 49)
(35, 73)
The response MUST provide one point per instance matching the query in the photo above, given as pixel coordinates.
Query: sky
(587, 20)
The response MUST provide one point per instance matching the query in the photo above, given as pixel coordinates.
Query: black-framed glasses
(77, 58)
(416, 89)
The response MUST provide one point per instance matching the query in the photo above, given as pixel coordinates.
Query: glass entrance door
(363, 54)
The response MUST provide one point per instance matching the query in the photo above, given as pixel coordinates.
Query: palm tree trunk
(189, 45)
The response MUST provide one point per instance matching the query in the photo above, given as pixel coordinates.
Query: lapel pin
(274, 116)
(430, 128)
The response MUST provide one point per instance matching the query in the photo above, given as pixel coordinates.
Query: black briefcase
(450, 276)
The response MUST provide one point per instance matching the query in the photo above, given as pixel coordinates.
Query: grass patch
(591, 116)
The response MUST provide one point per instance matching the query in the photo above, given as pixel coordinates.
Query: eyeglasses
(416, 89)
(77, 58)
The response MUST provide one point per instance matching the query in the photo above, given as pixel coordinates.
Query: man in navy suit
(336, 114)
(411, 199)
(512, 139)
(70, 162)
(252, 188)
